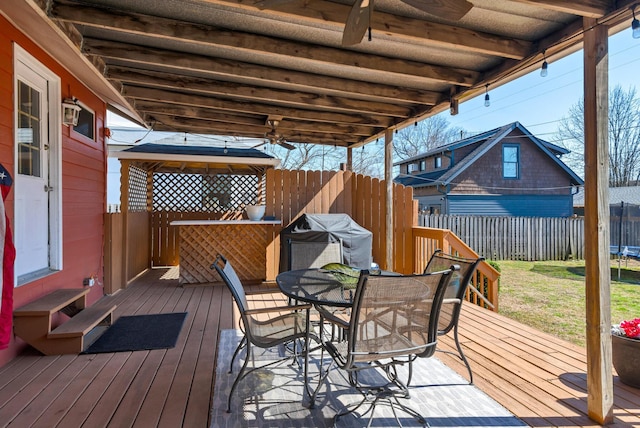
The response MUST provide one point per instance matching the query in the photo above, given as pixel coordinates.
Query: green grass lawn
(550, 295)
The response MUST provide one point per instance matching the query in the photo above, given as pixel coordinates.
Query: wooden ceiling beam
(172, 123)
(159, 95)
(224, 69)
(400, 29)
(198, 113)
(271, 47)
(168, 79)
(221, 116)
(242, 92)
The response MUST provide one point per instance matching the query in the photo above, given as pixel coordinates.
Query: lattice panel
(244, 245)
(137, 189)
(217, 193)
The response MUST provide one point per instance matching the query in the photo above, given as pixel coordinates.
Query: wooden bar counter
(242, 242)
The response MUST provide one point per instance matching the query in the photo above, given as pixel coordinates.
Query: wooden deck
(538, 378)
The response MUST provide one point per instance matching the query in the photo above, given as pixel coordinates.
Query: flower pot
(255, 212)
(626, 359)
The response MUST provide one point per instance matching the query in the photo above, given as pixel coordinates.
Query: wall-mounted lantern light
(70, 112)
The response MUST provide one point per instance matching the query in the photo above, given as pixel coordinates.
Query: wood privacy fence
(515, 238)
(291, 193)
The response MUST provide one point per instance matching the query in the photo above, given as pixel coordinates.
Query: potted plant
(625, 348)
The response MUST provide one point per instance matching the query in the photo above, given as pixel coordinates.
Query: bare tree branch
(624, 136)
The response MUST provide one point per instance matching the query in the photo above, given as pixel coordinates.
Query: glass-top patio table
(315, 286)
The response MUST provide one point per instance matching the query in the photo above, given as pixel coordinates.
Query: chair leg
(392, 401)
(462, 356)
(241, 374)
(241, 345)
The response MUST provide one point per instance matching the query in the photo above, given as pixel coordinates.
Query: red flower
(631, 328)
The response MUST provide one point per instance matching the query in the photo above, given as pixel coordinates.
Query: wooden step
(82, 323)
(33, 321)
(53, 302)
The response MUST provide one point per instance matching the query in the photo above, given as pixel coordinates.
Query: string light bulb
(487, 102)
(635, 24)
(544, 70)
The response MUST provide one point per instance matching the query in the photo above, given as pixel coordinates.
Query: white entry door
(32, 173)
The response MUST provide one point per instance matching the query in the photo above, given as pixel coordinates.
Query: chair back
(233, 283)
(395, 316)
(455, 292)
(309, 255)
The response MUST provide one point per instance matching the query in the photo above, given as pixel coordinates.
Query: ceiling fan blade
(286, 145)
(357, 23)
(447, 9)
(260, 145)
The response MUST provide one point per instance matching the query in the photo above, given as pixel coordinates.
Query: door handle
(48, 188)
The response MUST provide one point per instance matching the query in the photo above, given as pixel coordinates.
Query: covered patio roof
(227, 67)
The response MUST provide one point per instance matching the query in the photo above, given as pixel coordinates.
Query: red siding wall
(83, 180)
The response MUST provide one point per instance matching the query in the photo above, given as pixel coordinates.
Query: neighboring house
(57, 202)
(629, 195)
(503, 172)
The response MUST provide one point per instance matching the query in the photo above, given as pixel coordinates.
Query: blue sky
(539, 103)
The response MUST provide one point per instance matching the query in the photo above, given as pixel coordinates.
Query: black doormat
(139, 333)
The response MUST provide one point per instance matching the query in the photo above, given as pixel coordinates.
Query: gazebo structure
(232, 67)
(162, 184)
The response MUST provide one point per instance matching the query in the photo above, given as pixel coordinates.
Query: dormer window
(437, 162)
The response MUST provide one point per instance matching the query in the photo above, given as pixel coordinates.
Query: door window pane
(29, 138)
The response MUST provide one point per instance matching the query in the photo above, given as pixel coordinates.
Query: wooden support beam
(388, 177)
(597, 265)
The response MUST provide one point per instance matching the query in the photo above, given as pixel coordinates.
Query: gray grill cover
(357, 242)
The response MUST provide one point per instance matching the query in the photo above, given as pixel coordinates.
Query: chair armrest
(332, 318)
(277, 309)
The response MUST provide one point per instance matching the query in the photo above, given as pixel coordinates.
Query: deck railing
(484, 285)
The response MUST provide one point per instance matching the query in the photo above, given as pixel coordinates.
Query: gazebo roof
(196, 159)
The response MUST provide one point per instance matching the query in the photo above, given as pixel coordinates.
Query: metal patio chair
(387, 329)
(289, 324)
(454, 295)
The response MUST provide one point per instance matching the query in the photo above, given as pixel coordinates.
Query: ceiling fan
(359, 19)
(273, 137)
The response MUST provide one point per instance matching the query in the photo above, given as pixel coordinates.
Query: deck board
(539, 378)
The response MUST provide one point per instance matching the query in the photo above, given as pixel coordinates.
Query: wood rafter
(244, 92)
(172, 123)
(270, 46)
(400, 28)
(223, 68)
(151, 107)
(134, 92)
